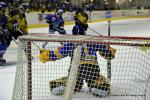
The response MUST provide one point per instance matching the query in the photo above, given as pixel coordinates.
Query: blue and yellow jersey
(88, 53)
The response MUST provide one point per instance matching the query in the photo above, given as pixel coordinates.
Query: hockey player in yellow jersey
(81, 19)
(18, 23)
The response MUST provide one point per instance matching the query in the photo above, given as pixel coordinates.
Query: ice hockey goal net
(128, 72)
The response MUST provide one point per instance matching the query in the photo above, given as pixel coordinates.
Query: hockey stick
(8, 33)
(95, 31)
(24, 34)
(57, 29)
(15, 41)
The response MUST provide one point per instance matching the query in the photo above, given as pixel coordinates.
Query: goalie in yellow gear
(88, 69)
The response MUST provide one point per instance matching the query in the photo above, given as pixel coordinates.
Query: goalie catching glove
(44, 56)
(58, 86)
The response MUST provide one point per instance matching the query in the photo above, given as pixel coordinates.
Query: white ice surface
(132, 27)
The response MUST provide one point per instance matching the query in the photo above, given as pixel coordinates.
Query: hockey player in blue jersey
(10, 23)
(89, 70)
(5, 37)
(56, 22)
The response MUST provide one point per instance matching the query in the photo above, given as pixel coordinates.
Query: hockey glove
(44, 56)
(15, 26)
(60, 30)
(85, 26)
(49, 22)
(109, 55)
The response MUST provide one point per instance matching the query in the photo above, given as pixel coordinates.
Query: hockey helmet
(22, 8)
(59, 12)
(21, 11)
(80, 10)
(13, 11)
(2, 6)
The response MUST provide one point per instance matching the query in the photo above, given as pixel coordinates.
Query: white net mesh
(107, 68)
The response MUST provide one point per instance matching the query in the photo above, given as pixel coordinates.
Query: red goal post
(32, 76)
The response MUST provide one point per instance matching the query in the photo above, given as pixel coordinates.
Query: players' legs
(3, 48)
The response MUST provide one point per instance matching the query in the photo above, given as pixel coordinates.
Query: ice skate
(2, 61)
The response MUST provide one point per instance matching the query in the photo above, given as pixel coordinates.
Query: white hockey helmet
(59, 12)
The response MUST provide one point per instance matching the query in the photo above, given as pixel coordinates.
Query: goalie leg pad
(98, 92)
(58, 90)
(101, 86)
(102, 83)
(55, 85)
